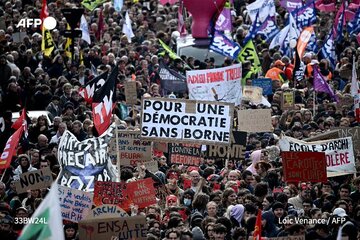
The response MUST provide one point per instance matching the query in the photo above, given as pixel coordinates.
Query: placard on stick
(252, 94)
(142, 192)
(265, 84)
(288, 100)
(130, 92)
(187, 154)
(113, 228)
(304, 166)
(111, 193)
(255, 120)
(34, 180)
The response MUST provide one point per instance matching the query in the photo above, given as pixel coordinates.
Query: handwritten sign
(152, 166)
(75, 204)
(142, 192)
(113, 228)
(252, 94)
(34, 180)
(187, 154)
(107, 210)
(130, 92)
(288, 100)
(257, 120)
(304, 166)
(265, 84)
(111, 193)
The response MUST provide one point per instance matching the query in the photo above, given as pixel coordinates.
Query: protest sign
(34, 180)
(339, 153)
(130, 92)
(160, 147)
(234, 152)
(265, 84)
(257, 120)
(287, 100)
(131, 148)
(220, 84)
(152, 166)
(113, 228)
(304, 166)
(187, 154)
(141, 192)
(107, 210)
(83, 163)
(186, 120)
(111, 193)
(252, 94)
(75, 204)
(353, 132)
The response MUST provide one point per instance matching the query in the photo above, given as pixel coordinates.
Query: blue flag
(253, 29)
(353, 27)
(328, 50)
(223, 45)
(312, 46)
(268, 29)
(306, 15)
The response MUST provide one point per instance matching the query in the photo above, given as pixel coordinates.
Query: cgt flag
(248, 53)
(88, 91)
(258, 226)
(104, 101)
(10, 148)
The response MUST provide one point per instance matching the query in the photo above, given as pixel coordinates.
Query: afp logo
(49, 23)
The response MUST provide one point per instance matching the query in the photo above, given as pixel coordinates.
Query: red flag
(325, 5)
(10, 148)
(101, 26)
(19, 122)
(104, 101)
(88, 91)
(44, 12)
(258, 227)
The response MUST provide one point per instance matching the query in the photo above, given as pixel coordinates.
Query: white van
(33, 115)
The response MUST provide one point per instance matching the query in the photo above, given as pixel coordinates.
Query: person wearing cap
(341, 219)
(6, 228)
(276, 72)
(304, 193)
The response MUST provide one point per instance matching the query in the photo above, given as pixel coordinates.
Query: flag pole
(314, 102)
(117, 149)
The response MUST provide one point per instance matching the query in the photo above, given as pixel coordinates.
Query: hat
(171, 198)
(307, 127)
(192, 168)
(307, 55)
(351, 114)
(196, 216)
(279, 63)
(314, 61)
(69, 105)
(304, 186)
(213, 177)
(339, 212)
(277, 205)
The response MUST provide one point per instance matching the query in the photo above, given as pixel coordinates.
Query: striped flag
(355, 92)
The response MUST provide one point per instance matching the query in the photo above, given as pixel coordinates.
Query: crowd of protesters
(30, 80)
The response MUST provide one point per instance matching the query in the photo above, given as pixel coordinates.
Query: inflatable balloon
(202, 11)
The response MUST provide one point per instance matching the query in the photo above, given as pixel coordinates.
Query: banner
(34, 180)
(252, 94)
(83, 163)
(75, 204)
(339, 152)
(130, 92)
(107, 210)
(265, 84)
(235, 152)
(113, 228)
(255, 120)
(186, 120)
(187, 154)
(224, 46)
(304, 166)
(131, 148)
(171, 81)
(220, 84)
(141, 192)
(111, 193)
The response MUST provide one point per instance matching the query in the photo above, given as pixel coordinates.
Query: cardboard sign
(130, 92)
(265, 84)
(75, 204)
(111, 193)
(236, 151)
(257, 120)
(34, 180)
(84, 163)
(131, 148)
(220, 84)
(177, 120)
(304, 166)
(107, 211)
(339, 153)
(187, 154)
(252, 94)
(288, 100)
(152, 166)
(142, 192)
(113, 228)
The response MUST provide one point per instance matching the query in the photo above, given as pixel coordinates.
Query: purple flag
(320, 85)
(291, 5)
(223, 23)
